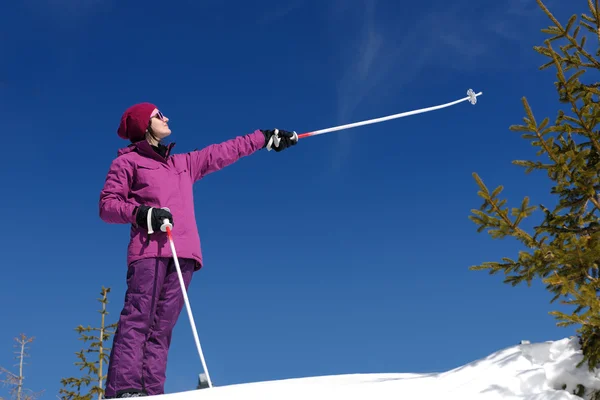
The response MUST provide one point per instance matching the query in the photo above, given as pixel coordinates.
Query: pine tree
(74, 387)
(563, 250)
(15, 381)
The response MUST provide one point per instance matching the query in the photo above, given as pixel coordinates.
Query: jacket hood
(126, 150)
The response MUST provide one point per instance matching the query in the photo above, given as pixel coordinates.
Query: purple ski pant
(153, 302)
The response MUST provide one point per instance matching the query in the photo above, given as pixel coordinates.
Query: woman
(146, 184)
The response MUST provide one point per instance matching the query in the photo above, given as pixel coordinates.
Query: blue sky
(349, 253)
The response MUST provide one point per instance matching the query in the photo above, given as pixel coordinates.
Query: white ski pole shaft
(471, 97)
(167, 227)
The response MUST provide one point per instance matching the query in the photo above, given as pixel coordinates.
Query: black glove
(278, 139)
(156, 219)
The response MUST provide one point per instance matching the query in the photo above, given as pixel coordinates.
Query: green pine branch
(90, 384)
(563, 249)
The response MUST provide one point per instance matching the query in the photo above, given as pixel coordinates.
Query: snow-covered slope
(525, 372)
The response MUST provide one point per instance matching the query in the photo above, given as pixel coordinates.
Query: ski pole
(471, 97)
(166, 227)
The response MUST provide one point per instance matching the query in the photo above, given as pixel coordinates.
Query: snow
(526, 371)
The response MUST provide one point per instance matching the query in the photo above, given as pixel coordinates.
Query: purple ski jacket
(140, 176)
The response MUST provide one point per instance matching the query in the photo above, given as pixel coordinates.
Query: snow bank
(524, 372)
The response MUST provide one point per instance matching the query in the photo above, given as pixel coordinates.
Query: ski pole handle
(166, 224)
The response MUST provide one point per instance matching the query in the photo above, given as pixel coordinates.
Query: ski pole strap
(274, 140)
(149, 220)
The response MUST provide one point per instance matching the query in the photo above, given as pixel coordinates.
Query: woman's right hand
(157, 217)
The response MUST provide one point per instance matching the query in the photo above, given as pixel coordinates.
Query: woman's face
(159, 124)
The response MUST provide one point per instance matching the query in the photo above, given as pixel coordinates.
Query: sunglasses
(158, 115)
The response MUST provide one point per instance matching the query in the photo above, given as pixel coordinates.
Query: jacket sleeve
(114, 205)
(217, 156)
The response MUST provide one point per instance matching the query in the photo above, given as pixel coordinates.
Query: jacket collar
(145, 149)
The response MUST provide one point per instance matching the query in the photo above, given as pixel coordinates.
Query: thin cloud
(71, 10)
(377, 59)
(384, 57)
(280, 12)
(526, 8)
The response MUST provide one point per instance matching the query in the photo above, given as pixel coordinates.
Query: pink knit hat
(134, 121)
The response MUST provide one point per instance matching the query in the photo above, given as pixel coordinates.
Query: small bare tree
(15, 381)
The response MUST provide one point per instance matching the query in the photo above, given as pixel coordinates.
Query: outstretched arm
(114, 207)
(217, 156)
